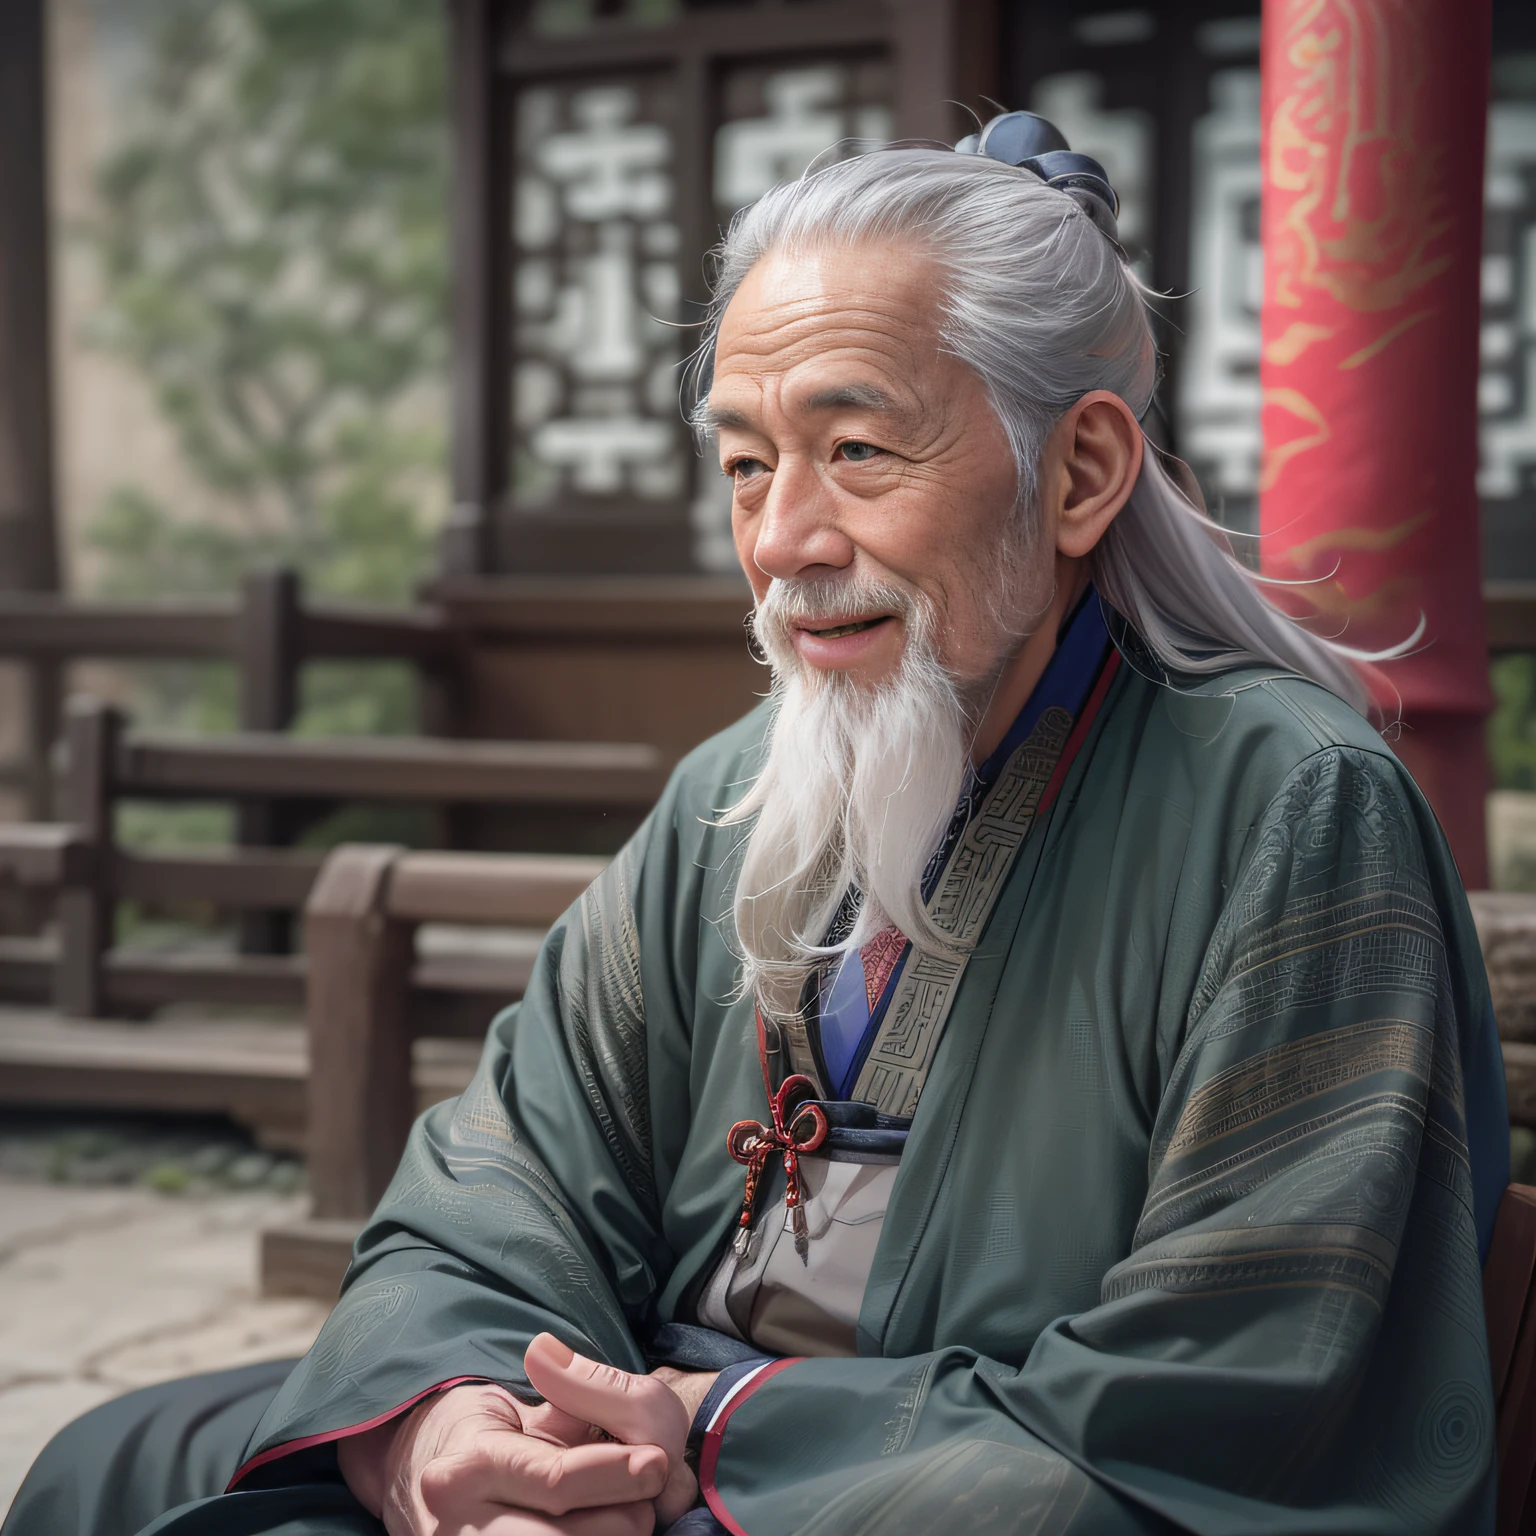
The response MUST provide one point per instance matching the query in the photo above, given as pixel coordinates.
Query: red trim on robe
(1079, 732)
(305, 1442)
(709, 1457)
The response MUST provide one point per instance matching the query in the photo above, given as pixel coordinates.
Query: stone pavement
(111, 1287)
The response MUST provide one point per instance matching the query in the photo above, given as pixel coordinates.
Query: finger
(639, 1410)
(533, 1474)
(678, 1497)
(547, 1422)
(631, 1407)
(615, 1520)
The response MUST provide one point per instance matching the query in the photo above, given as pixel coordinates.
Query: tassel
(796, 1217)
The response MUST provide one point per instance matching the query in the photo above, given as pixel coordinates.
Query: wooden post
(29, 558)
(267, 649)
(45, 680)
(439, 695)
(481, 286)
(360, 1098)
(947, 52)
(267, 653)
(91, 733)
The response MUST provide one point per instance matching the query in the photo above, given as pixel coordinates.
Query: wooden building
(598, 148)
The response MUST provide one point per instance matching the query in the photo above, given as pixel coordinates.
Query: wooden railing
(83, 974)
(268, 632)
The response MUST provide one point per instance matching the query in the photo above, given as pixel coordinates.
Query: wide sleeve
(527, 1204)
(1295, 1342)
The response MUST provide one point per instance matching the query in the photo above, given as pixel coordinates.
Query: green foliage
(373, 541)
(273, 251)
(272, 245)
(1512, 725)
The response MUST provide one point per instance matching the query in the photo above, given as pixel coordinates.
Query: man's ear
(1096, 447)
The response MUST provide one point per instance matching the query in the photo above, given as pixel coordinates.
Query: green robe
(1182, 1236)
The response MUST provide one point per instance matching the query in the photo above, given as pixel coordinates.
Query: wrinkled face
(862, 456)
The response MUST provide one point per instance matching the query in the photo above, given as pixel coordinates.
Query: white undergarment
(770, 1299)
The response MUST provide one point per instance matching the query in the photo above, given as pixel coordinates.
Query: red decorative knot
(753, 1143)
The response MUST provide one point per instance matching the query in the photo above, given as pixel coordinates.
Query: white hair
(857, 789)
(1045, 308)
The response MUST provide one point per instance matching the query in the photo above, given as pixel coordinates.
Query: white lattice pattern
(1506, 386)
(1218, 398)
(594, 387)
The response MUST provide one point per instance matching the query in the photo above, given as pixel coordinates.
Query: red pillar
(1374, 118)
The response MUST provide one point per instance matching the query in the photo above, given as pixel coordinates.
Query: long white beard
(858, 789)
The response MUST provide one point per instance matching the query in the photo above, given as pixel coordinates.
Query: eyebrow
(717, 416)
(866, 395)
(839, 396)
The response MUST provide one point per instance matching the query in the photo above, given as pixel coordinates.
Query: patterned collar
(853, 998)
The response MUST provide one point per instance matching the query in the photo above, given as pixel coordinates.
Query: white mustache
(789, 605)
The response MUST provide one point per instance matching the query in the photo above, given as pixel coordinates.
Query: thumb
(638, 1410)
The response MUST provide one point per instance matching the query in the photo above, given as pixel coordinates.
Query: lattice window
(595, 293)
(1507, 380)
(637, 129)
(1218, 398)
(1218, 404)
(776, 120)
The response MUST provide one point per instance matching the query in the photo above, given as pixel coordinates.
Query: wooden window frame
(941, 51)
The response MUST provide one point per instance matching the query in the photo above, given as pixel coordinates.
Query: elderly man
(1034, 1075)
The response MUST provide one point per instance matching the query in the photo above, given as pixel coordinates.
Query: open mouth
(837, 631)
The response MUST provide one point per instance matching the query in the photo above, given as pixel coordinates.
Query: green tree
(1512, 725)
(272, 240)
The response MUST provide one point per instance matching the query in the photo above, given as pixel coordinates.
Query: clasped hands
(602, 1455)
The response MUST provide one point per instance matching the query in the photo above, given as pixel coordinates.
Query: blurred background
(359, 581)
(247, 251)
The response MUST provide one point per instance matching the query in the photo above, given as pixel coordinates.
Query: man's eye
(744, 469)
(858, 453)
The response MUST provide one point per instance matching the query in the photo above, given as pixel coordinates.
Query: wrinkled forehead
(853, 327)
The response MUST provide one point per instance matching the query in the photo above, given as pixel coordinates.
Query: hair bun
(1034, 144)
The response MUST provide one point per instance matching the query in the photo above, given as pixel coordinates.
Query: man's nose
(798, 526)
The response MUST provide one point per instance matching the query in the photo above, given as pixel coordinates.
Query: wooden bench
(368, 983)
(1509, 1308)
(360, 924)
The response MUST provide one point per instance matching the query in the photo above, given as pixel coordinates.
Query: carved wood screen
(599, 150)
